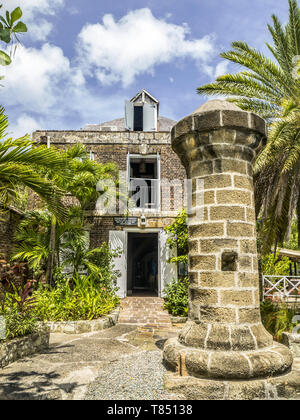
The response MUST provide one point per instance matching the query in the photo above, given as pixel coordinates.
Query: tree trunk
(50, 265)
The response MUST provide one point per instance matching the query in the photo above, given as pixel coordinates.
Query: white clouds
(34, 12)
(34, 76)
(120, 51)
(25, 125)
(44, 89)
(221, 68)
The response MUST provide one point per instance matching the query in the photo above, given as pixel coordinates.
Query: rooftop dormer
(141, 112)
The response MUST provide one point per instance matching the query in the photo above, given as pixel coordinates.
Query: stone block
(206, 230)
(235, 119)
(202, 262)
(240, 230)
(218, 338)
(248, 246)
(217, 279)
(217, 245)
(196, 362)
(233, 197)
(184, 126)
(230, 165)
(217, 314)
(193, 335)
(198, 169)
(243, 182)
(207, 121)
(229, 365)
(263, 338)
(223, 135)
(217, 181)
(249, 315)
(245, 263)
(242, 338)
(248, 279)
(227, 213)
(203, 296)
(236, 297)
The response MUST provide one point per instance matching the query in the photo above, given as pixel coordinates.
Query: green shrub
(178, 238)
(80, 298)
(277, 318)
(176, 297)
(19, 325)
(17, 308)
(271, 265)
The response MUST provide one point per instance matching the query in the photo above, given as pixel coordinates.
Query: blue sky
(82, 58)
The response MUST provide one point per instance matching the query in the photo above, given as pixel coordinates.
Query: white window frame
(158, 160)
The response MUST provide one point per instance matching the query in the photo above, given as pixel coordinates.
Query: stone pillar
(224, 339)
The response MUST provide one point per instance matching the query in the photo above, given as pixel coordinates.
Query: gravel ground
(134, 377)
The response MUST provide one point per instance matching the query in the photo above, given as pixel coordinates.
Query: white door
(167, 271)
(118, 241)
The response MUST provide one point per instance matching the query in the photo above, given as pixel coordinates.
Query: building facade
(152, 174)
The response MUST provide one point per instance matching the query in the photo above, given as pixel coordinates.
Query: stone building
(140, 145)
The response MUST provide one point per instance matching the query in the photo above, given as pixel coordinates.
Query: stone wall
(18, 348)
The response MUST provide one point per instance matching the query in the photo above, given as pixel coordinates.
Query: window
(138, 118)
(144, 181)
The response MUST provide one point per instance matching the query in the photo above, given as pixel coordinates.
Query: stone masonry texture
(224, 337)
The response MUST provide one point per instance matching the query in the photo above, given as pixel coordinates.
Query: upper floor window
(141, 112)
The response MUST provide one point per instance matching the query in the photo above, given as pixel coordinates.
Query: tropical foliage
(178, 238)
(22, 164)
(81, 298)
(272, 265)
(10, 28)
(16, 306)
(176, 297)
(277, 318)
(271, 88)
(47, 243)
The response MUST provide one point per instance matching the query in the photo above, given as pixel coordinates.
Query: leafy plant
(272, 265)
(176, 297)
(277, 318)
(80, 298)
(179, 238)
(10, 27)
(17, 308)
(18, 325)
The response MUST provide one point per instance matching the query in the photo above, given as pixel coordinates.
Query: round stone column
(224, 337)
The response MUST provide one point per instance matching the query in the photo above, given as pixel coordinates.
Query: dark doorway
(142, 264)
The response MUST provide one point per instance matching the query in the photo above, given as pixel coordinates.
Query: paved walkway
(73, 362)
(123, 362)
(144, 311)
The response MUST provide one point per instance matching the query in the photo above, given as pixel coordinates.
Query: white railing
(285, 288)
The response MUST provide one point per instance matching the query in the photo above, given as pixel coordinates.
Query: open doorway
(142, 262)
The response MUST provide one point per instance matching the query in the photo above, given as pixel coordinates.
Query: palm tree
(23, 164)
(46, 242)
(271, 88)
